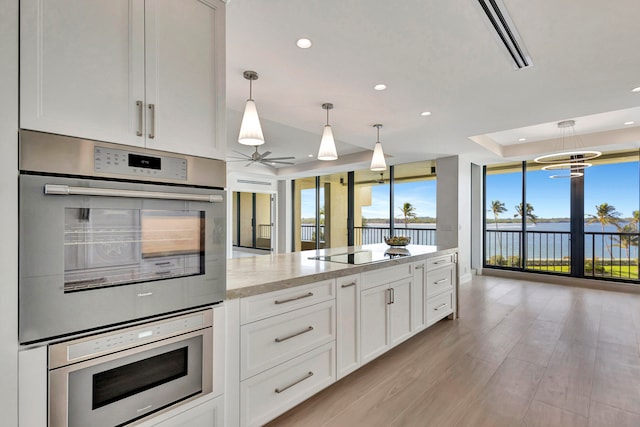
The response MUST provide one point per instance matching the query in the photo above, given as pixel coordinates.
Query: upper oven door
(95, 253)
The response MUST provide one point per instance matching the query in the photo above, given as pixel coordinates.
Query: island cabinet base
(286, 345)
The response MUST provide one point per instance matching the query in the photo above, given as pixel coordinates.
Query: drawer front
(273, 303)
(269, 342)
(439, 281)
(371, 279)
(440, 261)
(439, 307)
(273, 392)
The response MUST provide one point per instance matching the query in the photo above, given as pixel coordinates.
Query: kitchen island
(298, 322)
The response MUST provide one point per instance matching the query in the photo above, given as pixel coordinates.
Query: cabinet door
(374, 339)
(185, 76)
(400, 311)
(348, 324)
(82, 68)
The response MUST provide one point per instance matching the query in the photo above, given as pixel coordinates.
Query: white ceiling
(433, 55)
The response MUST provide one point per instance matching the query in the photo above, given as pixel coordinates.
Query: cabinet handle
(139, 105)
(347, 285)
(419, 267)
(439, 281)
(439, 262)
(152, 108)
(309, 329)
(282, 301)
(440, 306)
(393, 295)
(280, 390)
(388, 298)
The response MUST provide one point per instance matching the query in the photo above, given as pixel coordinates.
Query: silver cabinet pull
(139, 105)
(280, 390)
(145, 408)
(441, 306)
(65, 190)
(348, 285)
(393, 295)
(309, 329)
(419, 267)
(152, 133)
(146, 294)
(388, 296)
(439, 281)
(282, 301)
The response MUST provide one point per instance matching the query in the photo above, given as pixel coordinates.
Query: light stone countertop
(266, 273)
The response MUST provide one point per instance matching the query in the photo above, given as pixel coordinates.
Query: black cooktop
(364, 257)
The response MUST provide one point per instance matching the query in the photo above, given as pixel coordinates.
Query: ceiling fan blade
(268, 161)
(242, 154)
(248, 164)
(280, 158)
(263, 155)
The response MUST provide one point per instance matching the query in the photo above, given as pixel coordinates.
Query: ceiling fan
(263, 158)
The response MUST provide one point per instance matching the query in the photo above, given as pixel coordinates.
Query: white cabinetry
(207, 414)
(439, 289)
(142, 73)
(348, 324)
(386, 310)
(287, 349)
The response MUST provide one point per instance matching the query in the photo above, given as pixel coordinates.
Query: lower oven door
(119, 388)
(95, 253)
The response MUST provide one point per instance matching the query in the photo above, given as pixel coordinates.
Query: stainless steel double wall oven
(111, 234)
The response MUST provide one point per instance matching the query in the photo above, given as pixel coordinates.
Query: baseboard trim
(603, 285)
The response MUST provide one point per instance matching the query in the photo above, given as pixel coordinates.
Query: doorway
(253, 222)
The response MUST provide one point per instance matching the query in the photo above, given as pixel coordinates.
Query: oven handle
(113, 192)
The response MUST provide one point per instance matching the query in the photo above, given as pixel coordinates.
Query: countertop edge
(292, 282)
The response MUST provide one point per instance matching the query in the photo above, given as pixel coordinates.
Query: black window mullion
(391, 201)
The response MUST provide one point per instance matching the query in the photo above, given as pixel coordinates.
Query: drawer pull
(419, 267)
(437, 282)
(310, 294)
(441, 261)
(309, 329)
(347, 285)
(441, 306)
(280, 390)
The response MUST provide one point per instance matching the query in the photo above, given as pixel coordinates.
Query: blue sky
(616, 184)
(422, 195)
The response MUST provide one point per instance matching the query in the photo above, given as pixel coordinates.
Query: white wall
(9, 212)
(454, 209)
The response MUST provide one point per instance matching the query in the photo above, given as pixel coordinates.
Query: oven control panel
(122, 162)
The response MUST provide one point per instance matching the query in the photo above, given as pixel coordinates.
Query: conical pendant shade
(327, 149)
(250, 129)
(377, 160)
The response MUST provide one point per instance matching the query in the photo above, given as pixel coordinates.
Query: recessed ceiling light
(425, 113)
(628, 123)
(310, 155)
(380, 86)
(636, 89)
(303, 43)
(522, 139)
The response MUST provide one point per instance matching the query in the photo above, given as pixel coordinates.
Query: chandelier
(573, 162)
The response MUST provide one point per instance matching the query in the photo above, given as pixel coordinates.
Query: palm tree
(629, 239)
(497, 207)
(606, 214)
(529, 213)
(408, 211)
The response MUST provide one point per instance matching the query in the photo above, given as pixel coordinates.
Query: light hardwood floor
(521, 354)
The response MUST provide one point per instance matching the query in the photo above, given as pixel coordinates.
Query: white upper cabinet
(135, 72)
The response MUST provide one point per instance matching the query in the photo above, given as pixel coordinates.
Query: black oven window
(111, 247)
(128, 380)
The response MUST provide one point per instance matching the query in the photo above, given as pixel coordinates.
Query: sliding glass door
(252, 220)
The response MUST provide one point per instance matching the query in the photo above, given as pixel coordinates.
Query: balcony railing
(370, 235)
(606, 254)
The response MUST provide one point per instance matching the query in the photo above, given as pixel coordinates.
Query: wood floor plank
(617, 377)
(602, 415)
(567, 382)
(538, 343)
(543, 415)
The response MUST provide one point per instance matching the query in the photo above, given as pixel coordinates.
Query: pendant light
(250, 129)
(327, 150)
(574, 161)
(377, 161)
